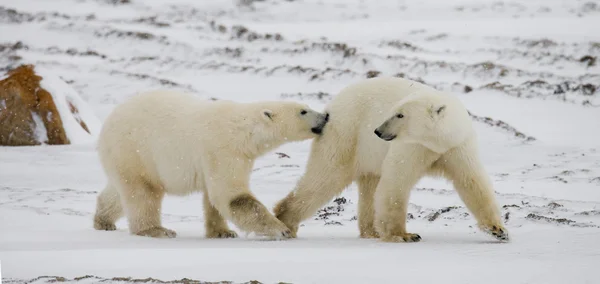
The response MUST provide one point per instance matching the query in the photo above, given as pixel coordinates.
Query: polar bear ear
(440, 109)
(437, 110)
(267, 114)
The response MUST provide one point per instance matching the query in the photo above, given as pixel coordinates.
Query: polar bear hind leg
(108, 209)
(214, 223)
(143, 202)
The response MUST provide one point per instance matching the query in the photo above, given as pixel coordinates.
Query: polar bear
(430, 133)
(166, 142)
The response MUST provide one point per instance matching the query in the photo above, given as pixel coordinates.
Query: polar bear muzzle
(384, 133)
(321, 121)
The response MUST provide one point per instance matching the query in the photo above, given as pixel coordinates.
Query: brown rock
(21, 99)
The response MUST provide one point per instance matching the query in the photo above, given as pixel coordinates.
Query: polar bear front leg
(366, 211)
(463, 167)
(228, 190)
(214, 224)
(143, 202)
(402, 168)
(329, 171)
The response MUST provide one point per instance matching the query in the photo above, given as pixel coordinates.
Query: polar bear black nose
(378, 133)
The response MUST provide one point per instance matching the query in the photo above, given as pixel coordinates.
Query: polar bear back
(139, 136)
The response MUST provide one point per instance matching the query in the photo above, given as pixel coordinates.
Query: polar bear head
(292, 121)
(436, 120)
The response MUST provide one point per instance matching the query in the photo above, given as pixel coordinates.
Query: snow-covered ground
(526, 69)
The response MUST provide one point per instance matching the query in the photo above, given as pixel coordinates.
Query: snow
(63, 95)
(549, 188)
(41, 134)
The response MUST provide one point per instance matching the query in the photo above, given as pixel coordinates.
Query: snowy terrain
(527, 70)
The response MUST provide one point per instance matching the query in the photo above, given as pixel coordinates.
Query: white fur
(426, 143)
(172, 143)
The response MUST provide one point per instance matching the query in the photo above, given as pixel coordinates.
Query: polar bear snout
(383, 134)
(321, 122)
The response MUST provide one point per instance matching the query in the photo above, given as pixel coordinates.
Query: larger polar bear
(431, 134)
(167, 142)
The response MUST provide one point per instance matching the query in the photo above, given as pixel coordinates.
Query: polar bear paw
(279, 234)
(158, 232)
(368, 232)
(222, 234)
(497, 231)
(402, 238)
(104, 226)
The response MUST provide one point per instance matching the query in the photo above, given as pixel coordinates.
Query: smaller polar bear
(166, 142)
(429, 133)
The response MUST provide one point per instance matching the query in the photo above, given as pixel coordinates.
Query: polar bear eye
(303, 112)
(399, 115)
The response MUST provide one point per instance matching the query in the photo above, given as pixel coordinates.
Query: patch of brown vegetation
(75, 113)
(435, 215)
(373, 74)
(109, 32)
(152, 21)
(241, 32)
(96, 279)
(321, 96)
(541, 88)
(588, 60)
(501, 124)
(558, 221)
(13, 16)
(402, 45)
(21, 97)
